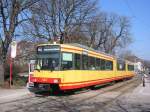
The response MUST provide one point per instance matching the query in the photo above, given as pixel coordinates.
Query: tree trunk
(1, 73)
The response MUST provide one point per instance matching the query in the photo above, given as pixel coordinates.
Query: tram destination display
(47, 49)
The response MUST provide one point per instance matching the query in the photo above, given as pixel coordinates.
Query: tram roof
(89, 49)
(80, 46)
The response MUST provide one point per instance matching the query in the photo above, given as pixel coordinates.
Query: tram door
(31, 69)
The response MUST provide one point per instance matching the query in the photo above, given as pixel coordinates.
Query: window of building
(77, 59)
(67, 61)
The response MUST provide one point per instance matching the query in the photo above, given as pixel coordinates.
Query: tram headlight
(56, 81)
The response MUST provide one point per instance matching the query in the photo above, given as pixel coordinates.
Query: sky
(139, 13)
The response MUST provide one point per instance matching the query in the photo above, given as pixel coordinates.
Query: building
(139, 67)
(25, 50)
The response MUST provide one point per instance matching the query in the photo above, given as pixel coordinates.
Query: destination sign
(46, 49)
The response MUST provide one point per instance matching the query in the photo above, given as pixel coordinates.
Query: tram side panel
(74, 79)
(122, 71)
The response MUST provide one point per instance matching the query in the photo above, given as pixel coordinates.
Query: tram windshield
(48, 61)
(48, 57)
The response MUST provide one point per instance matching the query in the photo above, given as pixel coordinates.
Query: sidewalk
(12, 94)
(139, 99)
(142, 94)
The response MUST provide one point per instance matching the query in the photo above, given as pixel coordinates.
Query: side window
(77, 61)
(98, 64)
(91, 62)
(109, 65)
(67, 61)
(85, 62)
(120, 65)
(103, 64)
(130, 67)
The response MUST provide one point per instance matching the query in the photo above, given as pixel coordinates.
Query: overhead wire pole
(10, 72)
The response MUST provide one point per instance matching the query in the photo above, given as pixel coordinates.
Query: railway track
(123, 91)
(70, 102)
(123, 88)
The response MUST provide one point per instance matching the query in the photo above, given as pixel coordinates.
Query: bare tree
(54, 17)
(120, 35)
(75, 18)
(93, 30)
(109, 31)
(98, 30)
(10, 19)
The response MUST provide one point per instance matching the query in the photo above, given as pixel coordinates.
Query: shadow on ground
(71, 92)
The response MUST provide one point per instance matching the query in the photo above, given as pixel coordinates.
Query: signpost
(13, 55)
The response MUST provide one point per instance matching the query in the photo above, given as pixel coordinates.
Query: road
(119, 97)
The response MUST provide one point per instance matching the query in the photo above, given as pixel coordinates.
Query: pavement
(141, 93)
(137, 100)
(12, 94)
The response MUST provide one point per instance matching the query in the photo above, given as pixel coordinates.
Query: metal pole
(143, 80)
(10, 72)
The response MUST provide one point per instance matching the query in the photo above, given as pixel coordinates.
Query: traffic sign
(13, 49)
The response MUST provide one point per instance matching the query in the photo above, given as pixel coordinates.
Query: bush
(20, 81)
(17, 80)
(15, 71)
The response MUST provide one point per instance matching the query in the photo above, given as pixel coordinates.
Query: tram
(73, 66)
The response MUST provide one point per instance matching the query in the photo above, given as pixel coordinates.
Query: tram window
(91, 63)
(77, 61)
(109, 65)
(102, 64)
(85, 62)
(131, 67)
(67, 61)
(121, 66)
(98, 64)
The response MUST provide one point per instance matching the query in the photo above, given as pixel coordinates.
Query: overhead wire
(134, 16)
(129, 8)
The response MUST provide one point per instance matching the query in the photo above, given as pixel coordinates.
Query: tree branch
(3, 17)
